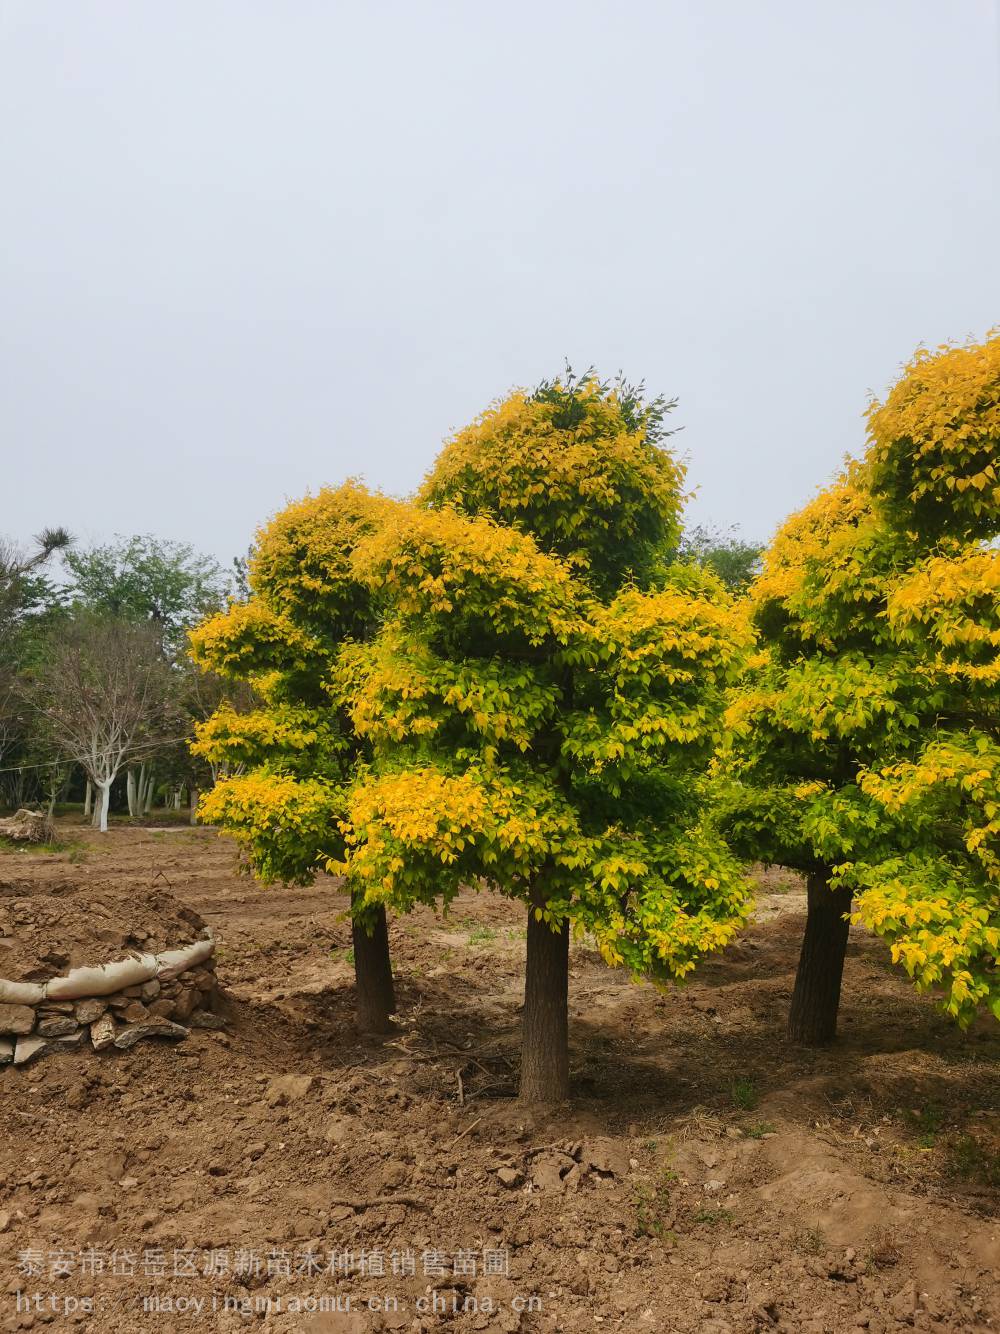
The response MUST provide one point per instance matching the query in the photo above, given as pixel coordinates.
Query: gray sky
(249, 248)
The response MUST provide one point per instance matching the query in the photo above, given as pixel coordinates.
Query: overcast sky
(248, 248)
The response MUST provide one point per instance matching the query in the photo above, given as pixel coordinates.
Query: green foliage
(744, 1094)
(143, 578)
(654, 1206)
(727, 556)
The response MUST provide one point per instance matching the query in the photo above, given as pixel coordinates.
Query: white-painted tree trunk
(88, 797)
(130, 793)
(105, 799)
(177, 798)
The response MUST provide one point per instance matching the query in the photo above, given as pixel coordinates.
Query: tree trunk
(147, 802)
(177, 798)
(376, 997)
(87, 798)
(545, 1027)
(812, 1019)
(130, 793)
(104, 798)
(194, 805)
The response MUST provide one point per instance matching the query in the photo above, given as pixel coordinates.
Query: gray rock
(71, 1040)
(6, 1051)
(28, 1048)
(102, 1032)
(204, 1019)
(151, 1028)
(87, 1011)
(57, 1026)
(16, 1019)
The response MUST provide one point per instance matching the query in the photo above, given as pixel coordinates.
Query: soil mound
(49, 928)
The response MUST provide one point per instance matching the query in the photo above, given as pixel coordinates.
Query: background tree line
(98, 694)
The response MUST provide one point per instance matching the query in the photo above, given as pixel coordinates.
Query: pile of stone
(114, 1005)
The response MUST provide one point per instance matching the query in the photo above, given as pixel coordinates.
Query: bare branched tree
(108, 698)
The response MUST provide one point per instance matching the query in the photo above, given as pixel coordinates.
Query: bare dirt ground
(706, 1178)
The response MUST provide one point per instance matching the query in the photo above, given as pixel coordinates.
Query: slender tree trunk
(104, 797)
(130, 794)
(194, 795)
(177, 798)
(87, 799)
(147, 804)
(545, 1028)
(812, 1019)
(376, 997)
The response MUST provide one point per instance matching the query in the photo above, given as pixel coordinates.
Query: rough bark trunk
(545, 1027)
(812, 1019)
(376, 997)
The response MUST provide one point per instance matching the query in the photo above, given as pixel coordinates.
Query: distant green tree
(720, 550)
(147, 579)
(28, 601)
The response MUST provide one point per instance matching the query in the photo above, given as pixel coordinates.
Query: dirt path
(706, 1178)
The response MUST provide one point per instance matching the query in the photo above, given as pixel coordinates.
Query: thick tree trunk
(376, 997)
(545, 1027)
(812, 1019)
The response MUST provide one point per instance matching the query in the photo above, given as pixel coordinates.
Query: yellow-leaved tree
(863, 747)
(296, 756)
(544, 697)
(504, 682)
